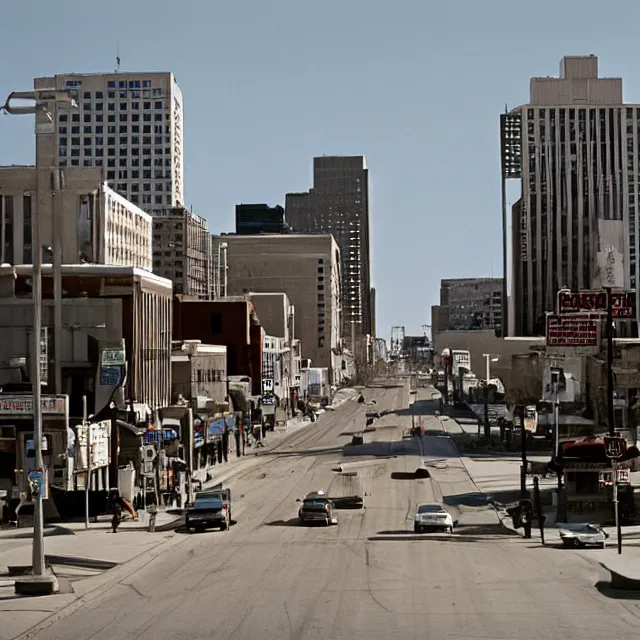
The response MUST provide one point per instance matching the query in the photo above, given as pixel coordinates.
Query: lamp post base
(45, 585)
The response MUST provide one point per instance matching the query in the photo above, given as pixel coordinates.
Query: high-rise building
(131, 125)
(182, 252)
(468, 304)
(259, 218)
(575, 149)
(304, 267)
(338, 204)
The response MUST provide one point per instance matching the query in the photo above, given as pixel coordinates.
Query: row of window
(111, 151)
(158, 129)
(111, 117)
(124, 106)
(63, 141)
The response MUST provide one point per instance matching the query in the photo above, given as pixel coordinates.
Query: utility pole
(523, 446)
(610, 380)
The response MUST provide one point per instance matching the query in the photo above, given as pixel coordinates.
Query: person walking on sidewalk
(115, 508)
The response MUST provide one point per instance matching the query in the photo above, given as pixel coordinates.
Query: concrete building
(233, 324)
(304, 267)
(182, 252)
(253, 219)
(198, 371)
(102, 304)
(575, 150)
(94, 223)
(468, 304)
(338, 204)
(128, 124)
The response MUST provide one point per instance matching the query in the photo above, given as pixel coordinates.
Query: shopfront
(218, 432)
(17, 449)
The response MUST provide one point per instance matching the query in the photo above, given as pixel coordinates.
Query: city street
(369, 576)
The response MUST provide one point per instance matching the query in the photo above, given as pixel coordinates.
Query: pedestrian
(115, 508)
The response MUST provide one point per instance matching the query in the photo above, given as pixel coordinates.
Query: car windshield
(430, 508)
(208, 503)
(314, 504)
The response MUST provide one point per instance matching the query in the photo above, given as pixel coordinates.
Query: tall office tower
(131, 125)
(574, 148)
(338, 204)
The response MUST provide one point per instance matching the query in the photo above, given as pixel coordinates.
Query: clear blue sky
(414, 85)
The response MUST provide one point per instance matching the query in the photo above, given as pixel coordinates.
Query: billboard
(623, 303)
(579, 332)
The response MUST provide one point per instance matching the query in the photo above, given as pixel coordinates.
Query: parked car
(222, 494)
(208, 513)
(317, 507)
(432, 516)
(583, 535)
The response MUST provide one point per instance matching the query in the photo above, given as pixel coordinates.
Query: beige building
(468, 304)
(94, 223)
(198, 371)
(129, 125)
(304, 267)
(182, 252)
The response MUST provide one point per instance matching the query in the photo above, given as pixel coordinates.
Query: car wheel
(417, 529)
(576, 543)
(223, 526)
(602, 545)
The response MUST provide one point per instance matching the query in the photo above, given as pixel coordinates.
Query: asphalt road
(369, 577)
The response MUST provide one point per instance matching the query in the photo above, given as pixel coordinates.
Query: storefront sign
(113, 357)
(587, 466)
(623, 303)
(23, 405)
(572, 331)
(100, 433)
(110, 376)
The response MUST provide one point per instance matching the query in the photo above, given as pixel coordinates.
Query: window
(123, 128)
(135, 117)
(135, 188)
(99, 153)
(6, 204)
(99, 95)
(99, 117)
(122, 175)
(122, 84)
(135, 140)
(123, 117)
(99, 140)
(111, 152)
(86, 106)
(135, 151)
(75, 117)
(135, 199)
(62, 151)
(159, 186)
(135, 175)
(123, 106)
(26, 230)
(135, 128)
(111, 140)
(111, 84)
(122, 186)
(86, 129)
(99, 106)
(146, 129)
(111, 129)
(63, 117)
(88, 162)
(146, 140)
(146, 186)
(146, 174)
(111, 162)
(123, 140)
(158, 104)
(122, 162)
(216, 323)
(111, 175)
(111, 95)
(158, 117)
(146, 117)
(158, 199)
(111, 118)
(87, 142)
(75, 130)
(157, 91)
(75, 141)
(135, 105)
(99, 129)
(75, 163)
(147, 105)
(158, 139)
(63, 142)
(111, 106)
(62, 130)
(88, 152)
(86, 118)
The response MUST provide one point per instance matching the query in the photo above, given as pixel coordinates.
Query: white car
(432, 516)
(583, 535)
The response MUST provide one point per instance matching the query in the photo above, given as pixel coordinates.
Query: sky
(414, 85)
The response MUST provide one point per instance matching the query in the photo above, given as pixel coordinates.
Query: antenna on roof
(118, 57)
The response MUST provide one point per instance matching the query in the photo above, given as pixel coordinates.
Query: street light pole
(41, 103)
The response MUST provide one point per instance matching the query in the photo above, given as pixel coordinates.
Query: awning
(133, 429)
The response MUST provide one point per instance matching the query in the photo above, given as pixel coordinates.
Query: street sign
(267, 386)
(578, 330)
(614, 446)
(37, 477)
(623, 303)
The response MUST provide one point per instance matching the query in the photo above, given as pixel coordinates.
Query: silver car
(583, 535)
(432, 516)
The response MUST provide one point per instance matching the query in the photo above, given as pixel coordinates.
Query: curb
(54, 530)
(112, 578)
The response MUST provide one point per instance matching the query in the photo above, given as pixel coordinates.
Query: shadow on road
(418, 474)
(291, 522)
(466, 500)
(616, 594)
(424, 538)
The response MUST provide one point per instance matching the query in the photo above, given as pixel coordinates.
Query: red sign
(623, 303)
(572, 331)
(614, 446)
